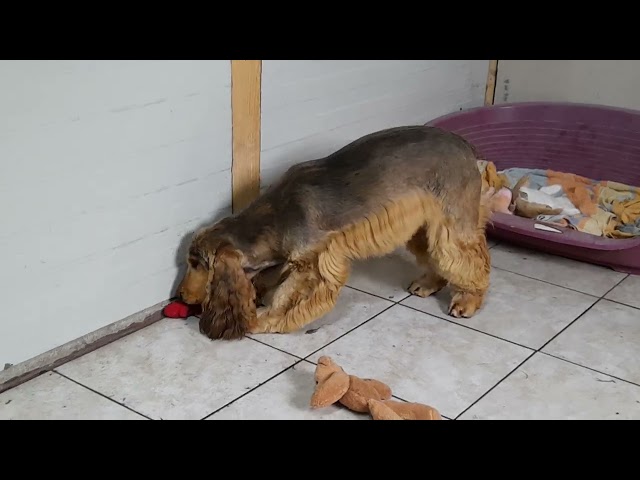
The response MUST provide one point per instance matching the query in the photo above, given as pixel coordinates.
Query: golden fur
(293, 247)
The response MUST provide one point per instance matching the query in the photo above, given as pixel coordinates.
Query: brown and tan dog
(416, 186)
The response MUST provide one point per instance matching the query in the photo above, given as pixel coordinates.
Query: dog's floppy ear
(230, 303)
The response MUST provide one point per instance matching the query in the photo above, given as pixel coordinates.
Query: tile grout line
(552, 356)
(581, 315)
(403, 298)
(349, 331)
(275, 348)
(378, 296)
(548, 283)
(589, 368)
(327, 344)
(539, 350)
(467, 326)
(101, 394)
(619, 303)
(498, 383)
(290, 367)
(576, 319)
(626, 275)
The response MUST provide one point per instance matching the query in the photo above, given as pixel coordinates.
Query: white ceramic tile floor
(583, 277)
(170, 371)
(628, 292)
(53, 397)
(606, 338)
(546, 388)
(545, 346)
(520, 309)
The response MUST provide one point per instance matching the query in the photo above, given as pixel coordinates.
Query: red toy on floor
(181, 310)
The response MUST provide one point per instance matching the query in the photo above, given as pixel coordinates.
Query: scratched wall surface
(605, 82)
(311, 108)
(105, 166)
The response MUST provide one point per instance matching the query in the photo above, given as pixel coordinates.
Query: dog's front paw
(426, 286)
(464, 304)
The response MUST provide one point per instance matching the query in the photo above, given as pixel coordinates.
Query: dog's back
(329, 193)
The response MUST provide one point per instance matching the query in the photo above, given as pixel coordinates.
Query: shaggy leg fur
(309, 291)
(431, 282)
(465, 264)
(454, 255)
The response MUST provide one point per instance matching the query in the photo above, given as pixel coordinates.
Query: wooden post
(246, 80)
(490, 91)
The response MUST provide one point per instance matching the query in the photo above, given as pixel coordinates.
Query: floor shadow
(304, 386)
(444, 299)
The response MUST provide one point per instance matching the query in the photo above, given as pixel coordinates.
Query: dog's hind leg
(467, 269)
(431, 282)
(453, 248)
(460, 255)
(309, 291)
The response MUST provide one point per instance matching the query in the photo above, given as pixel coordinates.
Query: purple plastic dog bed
(597, 142)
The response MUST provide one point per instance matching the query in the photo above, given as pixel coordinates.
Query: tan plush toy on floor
(363, 395)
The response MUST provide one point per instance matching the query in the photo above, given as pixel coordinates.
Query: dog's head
(216, 280)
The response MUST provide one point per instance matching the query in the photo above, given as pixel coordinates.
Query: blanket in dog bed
(601, 208)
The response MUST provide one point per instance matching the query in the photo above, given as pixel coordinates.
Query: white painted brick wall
(604, 82)
(104, 167)
(311, 108)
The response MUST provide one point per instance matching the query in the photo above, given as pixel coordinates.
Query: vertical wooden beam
(246, 84)
(490, 91)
